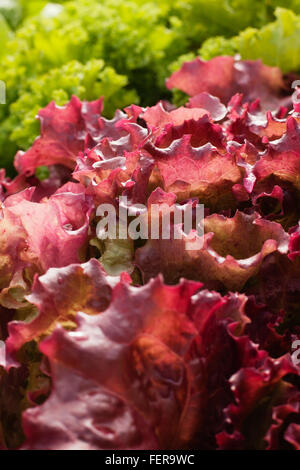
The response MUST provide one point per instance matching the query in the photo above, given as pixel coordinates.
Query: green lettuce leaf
(5, 34)
(12, 12)
(277, 43)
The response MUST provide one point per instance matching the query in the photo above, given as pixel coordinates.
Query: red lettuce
(196, 347)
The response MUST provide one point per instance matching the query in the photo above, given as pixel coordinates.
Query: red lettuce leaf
(58, 295)
(142, 342)
(225, 76)
(257, 392)
(63, 133)
(225, 255)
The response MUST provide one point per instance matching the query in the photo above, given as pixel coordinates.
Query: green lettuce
(277, 43)
(89, 49)
(12, 11)
(5, 33)
(203, 19)
(88, 81)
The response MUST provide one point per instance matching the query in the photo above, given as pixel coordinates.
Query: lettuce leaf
(57, 52)
(275, 44)
(197, 331)
(5, 35)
